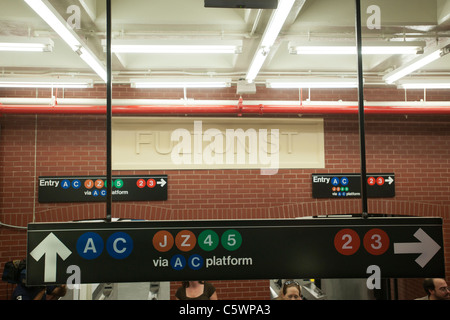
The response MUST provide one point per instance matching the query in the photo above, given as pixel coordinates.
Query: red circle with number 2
(347, 242)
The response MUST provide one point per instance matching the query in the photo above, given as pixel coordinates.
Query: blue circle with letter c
(195, 262)
(119, 245)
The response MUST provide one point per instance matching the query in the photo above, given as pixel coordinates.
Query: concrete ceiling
(189, 20)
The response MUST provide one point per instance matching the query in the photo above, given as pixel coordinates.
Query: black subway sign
(141, 251)
(379, 185)
(93, 188)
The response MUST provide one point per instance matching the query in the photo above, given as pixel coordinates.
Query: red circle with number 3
(151, 183)
(376, 242)
(347, 242)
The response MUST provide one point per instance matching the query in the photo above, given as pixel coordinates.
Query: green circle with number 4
(231, 240)
(208, 240)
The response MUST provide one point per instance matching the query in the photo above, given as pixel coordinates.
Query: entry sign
(141, 251)
(93, 188)
(379, 185)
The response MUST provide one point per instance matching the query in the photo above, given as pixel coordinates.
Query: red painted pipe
(218, 109)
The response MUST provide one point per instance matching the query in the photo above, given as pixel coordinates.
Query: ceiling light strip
(430, 83)
(411, 67)
(343, 50)
(180, 83)
(276, 22)
(311, 83)
(160, 46)
(59, 25)
(45, 83)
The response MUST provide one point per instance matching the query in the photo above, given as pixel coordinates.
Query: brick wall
(416, 148)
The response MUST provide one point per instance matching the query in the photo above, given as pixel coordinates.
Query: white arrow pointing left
(427, 247)
(51, 247)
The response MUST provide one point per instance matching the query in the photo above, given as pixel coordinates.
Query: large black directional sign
(93, 188)
(379, 185)
(135, 251)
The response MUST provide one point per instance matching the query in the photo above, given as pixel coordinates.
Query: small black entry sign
(379, 185)
(93, 188)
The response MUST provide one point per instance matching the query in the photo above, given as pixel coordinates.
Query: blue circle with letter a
(178, 262)
(90, 245)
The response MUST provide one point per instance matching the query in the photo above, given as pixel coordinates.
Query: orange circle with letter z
(185, 240)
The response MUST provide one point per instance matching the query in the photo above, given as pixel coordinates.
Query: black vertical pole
(108, 113)
(361, 110)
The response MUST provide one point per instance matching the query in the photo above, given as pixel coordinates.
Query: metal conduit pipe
(221, 109)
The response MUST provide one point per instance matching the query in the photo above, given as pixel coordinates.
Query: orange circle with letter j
(163, 241)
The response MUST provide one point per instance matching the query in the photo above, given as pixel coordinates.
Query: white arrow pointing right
(162, 182)
(427, 247)
(389, 180)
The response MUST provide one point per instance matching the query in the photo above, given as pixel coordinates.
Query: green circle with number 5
(208, 240)
(118, 183)
(231, 240)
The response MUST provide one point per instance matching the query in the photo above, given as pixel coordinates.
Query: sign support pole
(108, 113)
(361, 110)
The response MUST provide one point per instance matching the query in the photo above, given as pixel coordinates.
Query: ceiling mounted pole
(108, 113)
(361, 110)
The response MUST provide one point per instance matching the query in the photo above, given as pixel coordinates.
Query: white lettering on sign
(317, 179)
(163, 244)
(49, 183)
(185, 241)
(116, 249)
(90, 246)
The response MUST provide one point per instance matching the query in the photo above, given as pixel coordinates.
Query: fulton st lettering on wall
(217, 143)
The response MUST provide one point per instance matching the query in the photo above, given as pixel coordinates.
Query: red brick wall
(416, 148)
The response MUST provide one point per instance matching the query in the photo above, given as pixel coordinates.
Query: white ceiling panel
(189, 20)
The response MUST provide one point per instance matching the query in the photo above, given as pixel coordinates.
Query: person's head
(436, 289)
(291, 290)
(187, 283)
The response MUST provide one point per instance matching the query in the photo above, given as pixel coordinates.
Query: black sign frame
(299, 248)
(348, 185)
(85, 188)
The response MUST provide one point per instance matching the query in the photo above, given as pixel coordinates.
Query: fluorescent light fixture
(255, 66)
(54, 20)
(276, 22)
(45, 10)
(181, 83)
(26, 44)
(45, 83)
(182, 46)
(416, 64)
(337, 48)
(93, 62)
(311, 83)
(424, 84)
